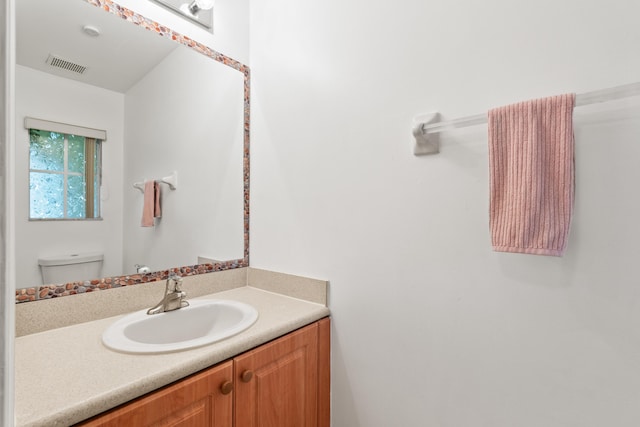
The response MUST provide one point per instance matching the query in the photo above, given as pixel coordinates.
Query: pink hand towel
(531, 169)
(148, 207)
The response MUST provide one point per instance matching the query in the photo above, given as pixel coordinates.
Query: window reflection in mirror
(64, 176)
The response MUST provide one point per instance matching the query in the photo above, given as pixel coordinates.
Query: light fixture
(199, 11)
(197, 5)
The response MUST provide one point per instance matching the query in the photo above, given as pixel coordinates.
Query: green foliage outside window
(64, 176)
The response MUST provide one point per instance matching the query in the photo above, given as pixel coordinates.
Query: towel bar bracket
(425, 143)
(170, 180)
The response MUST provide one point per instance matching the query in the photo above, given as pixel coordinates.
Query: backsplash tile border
(73, 288)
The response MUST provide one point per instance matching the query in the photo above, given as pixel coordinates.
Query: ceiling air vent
(58, 62)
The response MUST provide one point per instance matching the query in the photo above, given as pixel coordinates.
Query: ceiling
(116, 59)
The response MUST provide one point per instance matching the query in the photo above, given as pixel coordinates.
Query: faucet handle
(176, 279)
(173, 282)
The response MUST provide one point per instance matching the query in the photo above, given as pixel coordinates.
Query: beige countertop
(66, 375)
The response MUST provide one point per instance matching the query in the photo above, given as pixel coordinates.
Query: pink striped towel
(531, 171)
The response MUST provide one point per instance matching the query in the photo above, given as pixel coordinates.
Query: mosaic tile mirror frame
(66, 289)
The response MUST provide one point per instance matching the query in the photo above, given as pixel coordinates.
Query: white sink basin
(202, 322)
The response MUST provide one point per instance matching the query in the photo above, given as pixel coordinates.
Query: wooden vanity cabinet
(284, 383)
(203, 399)
(277, 383)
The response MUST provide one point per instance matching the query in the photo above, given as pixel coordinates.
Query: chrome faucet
(173, 296)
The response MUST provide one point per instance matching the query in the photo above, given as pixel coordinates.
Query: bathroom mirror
(171, 108)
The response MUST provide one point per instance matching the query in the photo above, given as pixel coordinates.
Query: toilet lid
(70, 259)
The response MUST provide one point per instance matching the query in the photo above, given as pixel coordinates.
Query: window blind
(40, 124)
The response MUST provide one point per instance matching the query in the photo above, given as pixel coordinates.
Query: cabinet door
(277, 383)
(199, 400)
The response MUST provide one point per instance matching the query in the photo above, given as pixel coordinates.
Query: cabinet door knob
(226, 387)
(246, 376)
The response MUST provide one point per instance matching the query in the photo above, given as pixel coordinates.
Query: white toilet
(70, 267)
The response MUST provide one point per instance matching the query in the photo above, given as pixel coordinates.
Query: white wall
(53, 98)
(193, 126)
(432, 328)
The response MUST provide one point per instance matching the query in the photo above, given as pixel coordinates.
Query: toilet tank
(70, 267)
